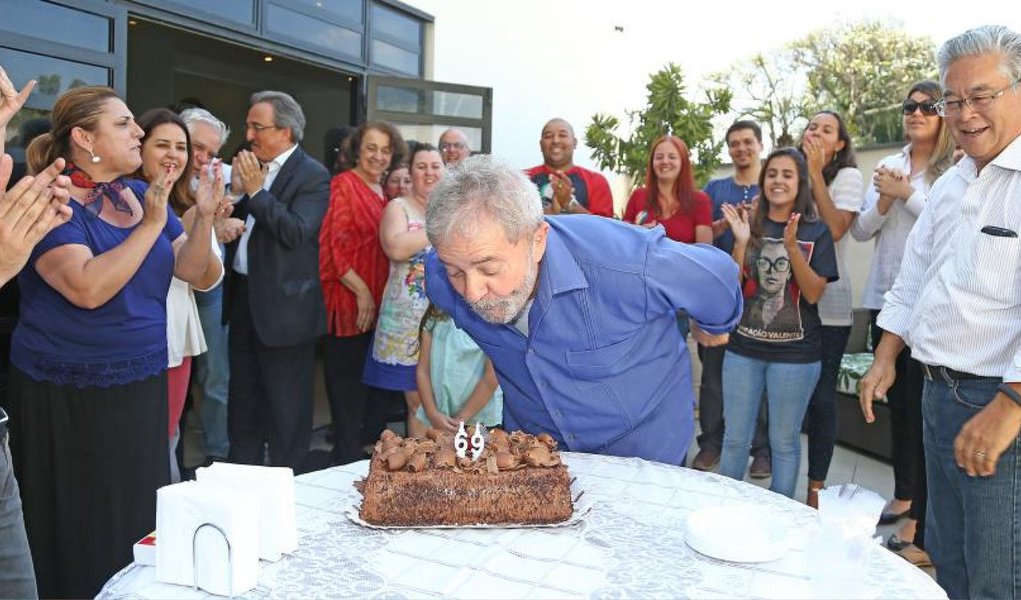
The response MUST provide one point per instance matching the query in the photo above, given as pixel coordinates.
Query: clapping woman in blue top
(89, 355)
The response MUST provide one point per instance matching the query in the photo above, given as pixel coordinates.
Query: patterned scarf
(93, 200)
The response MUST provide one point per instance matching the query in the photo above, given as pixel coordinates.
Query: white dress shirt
(957, 300)
(835, 302)
(241, 257)
(890, 230)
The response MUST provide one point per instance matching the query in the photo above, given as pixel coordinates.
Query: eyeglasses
(910, 106)
(781, 265)
(257, 128)
(445, 146)
(977, 103)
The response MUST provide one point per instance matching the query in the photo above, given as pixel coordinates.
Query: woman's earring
(95, 159)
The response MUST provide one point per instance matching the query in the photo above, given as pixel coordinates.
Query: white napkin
(848, 515)
(851, 507)
(278, 531)
(180, 510)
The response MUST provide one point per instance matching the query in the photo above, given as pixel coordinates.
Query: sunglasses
(910, 106)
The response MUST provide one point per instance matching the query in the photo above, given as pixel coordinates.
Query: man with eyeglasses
(957, 304)
(273, 299)
(454, 147)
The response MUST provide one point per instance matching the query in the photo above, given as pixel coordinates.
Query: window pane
(396, 25)
(313, 31)
(242, 11)
(349, 10)
(452, 104)
(57, 23)
(424, 132)
(55, 76)
(396, 99)
(392, 57)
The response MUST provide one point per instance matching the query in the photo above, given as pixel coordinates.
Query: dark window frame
(485, 122)
(115, 61)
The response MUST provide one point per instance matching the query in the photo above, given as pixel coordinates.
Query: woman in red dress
(353, 271)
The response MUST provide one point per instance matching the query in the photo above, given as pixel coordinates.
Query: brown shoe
(812, 495)
(706, 459)
(761, 468)
(915, 555)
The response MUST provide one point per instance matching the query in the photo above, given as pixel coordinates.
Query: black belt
(937, 373)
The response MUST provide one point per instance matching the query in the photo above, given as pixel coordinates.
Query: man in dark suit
(274, 301)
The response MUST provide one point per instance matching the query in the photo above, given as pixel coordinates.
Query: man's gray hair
(988, 39)
(482, 187)
(201, 115)
(287, 113)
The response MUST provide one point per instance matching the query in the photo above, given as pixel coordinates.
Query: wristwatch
(574, 204)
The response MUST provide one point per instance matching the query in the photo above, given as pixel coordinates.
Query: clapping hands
(30, 210)
(737, 218)
(11, 100)
(251, 172)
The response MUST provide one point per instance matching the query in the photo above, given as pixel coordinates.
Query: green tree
(667, 111)
(862, 71)
(769, 89)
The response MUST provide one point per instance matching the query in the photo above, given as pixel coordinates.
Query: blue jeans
(212, 373)
(972, 529)
(788, 387)
(17, 577)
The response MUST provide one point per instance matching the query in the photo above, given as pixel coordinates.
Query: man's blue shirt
(727, 191)
(603, 368)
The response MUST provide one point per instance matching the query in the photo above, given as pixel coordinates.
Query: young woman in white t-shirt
(837, 191)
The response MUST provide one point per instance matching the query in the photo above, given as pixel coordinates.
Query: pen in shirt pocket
(998, 231)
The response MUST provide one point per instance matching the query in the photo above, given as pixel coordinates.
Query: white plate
(737, 533)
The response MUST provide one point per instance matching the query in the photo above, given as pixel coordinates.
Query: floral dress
(404, 303)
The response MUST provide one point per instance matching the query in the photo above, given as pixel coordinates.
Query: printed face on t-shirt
(772, 312)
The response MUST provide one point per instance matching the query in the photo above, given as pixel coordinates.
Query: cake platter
(582, 505)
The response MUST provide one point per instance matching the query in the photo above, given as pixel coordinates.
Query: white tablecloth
(630, 545)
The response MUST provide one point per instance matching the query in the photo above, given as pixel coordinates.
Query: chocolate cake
(517, 479)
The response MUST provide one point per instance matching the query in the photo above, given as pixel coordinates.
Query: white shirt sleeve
(847, 189)
(899, 302)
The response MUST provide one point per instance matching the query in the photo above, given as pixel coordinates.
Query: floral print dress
(404, 302)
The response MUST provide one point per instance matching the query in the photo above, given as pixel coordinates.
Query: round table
(630, 544)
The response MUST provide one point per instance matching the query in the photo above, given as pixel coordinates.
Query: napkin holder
(195, 556)
(208, 538)
(274, 486)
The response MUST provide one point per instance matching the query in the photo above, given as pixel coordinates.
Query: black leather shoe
(896, 544)
(889, 517)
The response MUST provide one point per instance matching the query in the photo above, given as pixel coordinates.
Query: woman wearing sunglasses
(892, 204)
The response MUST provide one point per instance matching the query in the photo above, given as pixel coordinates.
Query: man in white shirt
(957, 304)
(273, 299)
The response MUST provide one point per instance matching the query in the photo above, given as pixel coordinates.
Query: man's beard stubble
(506, 309)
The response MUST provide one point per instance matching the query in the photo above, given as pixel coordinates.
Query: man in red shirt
(566, 187)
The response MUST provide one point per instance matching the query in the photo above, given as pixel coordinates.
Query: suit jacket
(284, 295)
